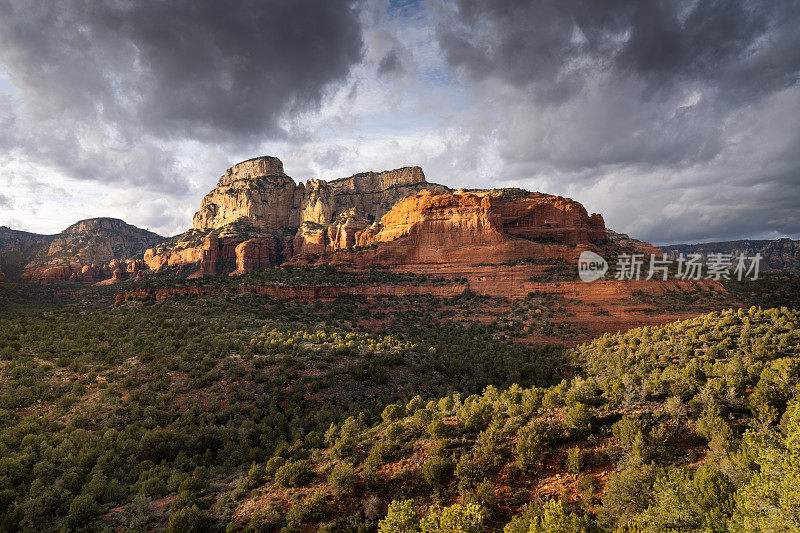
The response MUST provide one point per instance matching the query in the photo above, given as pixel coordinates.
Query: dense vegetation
(233, 411)
(109, 411)
(692, 426)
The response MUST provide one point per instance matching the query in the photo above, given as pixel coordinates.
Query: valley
(378, 353)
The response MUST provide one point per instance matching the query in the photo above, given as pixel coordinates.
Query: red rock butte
(258, 216)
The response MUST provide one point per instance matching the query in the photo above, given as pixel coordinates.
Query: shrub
(312, 509)
(415, 404)
(391, 412)
(273, 465)
(556, 519)
(401, 518)
(82, 510)
(266, 520)
(294, 474)
(578, 418)
(533, 444)
(347, 443)
(574, 460)
(436, 471)
(469, 472)
(475, 415)
(627, 430)
(396, 431)
(456, 518)
(375, 459)
(256, 474)
(441, 447)
(343, 480)
(188, 520)
(438, 429)
(628, 492)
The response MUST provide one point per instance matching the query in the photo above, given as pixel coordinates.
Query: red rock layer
(114, 271)
(256, 253)
(474, 228)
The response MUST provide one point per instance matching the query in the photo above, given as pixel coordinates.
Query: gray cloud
(676, 119)
(552, 47)
(205, 69)
(389, 63)
(105, 87)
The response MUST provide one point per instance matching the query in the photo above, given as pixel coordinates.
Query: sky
(679, 121)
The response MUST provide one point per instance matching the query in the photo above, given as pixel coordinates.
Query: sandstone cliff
(477, 227)
(259, 193)
(258, 216)
(255, 199)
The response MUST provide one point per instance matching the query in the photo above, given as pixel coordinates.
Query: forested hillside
(692, 426)
(234, 411)
(107, 415)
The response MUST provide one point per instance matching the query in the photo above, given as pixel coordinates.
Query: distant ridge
(93, 241)
(779, 255)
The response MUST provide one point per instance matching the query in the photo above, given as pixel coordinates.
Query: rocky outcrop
(425, 222)
(218, 255)
(313, 238)
(256, 253)
(373, 194)
(621, 243)
(477, 227)
(317, 202)
(96, 240)
(158, 258)
(255, 199)
(18, 248)
(259, 193)
(78, 272)
(255, 191)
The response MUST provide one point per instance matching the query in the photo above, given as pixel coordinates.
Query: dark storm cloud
(98, 80)
(669, 104)
(189, 67)
(742, 48)
(389, 63)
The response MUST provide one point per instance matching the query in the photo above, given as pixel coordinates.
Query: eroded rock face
(156, 258)
(96, 240)
(257, 216)
(780, 255)
(313, 238)
(373, 194)
(479, 227)
(255, 190)
(18, 248)
(256, 253)
(256, 200)
(112, 271)
(316, 205)
(258, 193)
